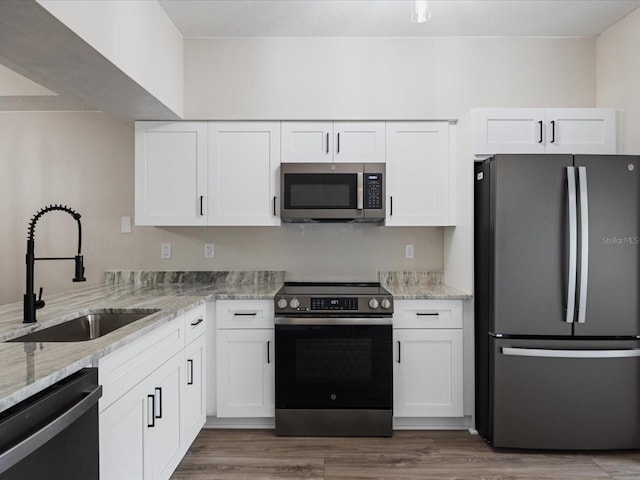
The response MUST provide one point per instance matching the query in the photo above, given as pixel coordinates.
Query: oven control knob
(373, 303)
(282, 303)
(385, 303)
(294, 303)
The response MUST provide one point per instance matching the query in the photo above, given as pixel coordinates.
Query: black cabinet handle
(151, 409)
(159, 393)
(431, 314)
(399, 351)
(327, 142)
(391, 206)
(245, 314)
(197, 322)
(338, 143)
(540, 125)
(553, 131)
(190, 377)
(274, 205)
(201, 205)
(268, 351)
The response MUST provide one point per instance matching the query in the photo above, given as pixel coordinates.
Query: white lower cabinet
(245, 359)
(193, 412)
(428, 359)
(140, 432)
(162, 432)
(153, 404)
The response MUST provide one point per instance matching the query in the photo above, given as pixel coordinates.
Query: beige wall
(86, 159)
(382, 78)
(618, 77)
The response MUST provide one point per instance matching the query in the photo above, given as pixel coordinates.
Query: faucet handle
(39, 302)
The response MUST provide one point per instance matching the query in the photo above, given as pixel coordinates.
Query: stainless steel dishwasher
(54, 433)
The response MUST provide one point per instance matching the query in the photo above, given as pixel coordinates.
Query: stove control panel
(348, 305)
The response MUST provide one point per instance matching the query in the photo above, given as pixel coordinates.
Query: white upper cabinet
(540, 130)
(307, 142)
(243, 173)
(170, 173)
(348, 142)
(417, 174)
(581, 130)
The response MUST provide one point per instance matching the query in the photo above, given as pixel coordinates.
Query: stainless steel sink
(94, 324)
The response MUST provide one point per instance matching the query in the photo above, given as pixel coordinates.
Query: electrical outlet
(165, 250)
(208, 250)
(408, 250)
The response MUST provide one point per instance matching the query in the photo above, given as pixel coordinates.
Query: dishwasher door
(54, 433)
(566, 394)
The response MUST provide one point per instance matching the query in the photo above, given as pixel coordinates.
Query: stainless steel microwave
(332, 192)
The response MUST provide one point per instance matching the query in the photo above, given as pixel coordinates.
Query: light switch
(125, 224)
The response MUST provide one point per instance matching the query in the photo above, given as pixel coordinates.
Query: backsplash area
(238, 278)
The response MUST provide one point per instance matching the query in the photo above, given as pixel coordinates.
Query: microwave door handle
(360, 190)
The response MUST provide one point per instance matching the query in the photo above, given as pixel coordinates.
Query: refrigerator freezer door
(566, 394)
(611, 306)
(530, 246)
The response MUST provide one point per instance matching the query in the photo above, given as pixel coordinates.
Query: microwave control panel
(373, 191)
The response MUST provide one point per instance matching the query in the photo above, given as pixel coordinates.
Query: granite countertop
(28, 368)
(417, 285)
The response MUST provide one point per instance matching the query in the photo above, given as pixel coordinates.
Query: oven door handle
(333, 321)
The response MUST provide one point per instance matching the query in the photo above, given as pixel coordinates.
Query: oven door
(333, 364)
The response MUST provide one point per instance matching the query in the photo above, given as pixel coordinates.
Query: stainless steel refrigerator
(557, 317)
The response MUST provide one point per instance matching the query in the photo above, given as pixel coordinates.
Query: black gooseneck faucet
(30, 302)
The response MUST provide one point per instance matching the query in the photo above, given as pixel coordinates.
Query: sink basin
(87, 327)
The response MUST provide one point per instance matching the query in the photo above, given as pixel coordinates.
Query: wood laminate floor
(408, 455)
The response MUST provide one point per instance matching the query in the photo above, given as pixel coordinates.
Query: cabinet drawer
(427, 314)
(244, 314)
(195, 322)
(126, 367)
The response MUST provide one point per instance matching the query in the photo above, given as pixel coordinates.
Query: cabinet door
(508, 130)
(162, 448)
(306, 142)
(427, 378)
(170, 173)
(246, 373)
(581, 130)
(122, 431)
(193, 389)
(417, 173)
(243, 167)
(357, 142)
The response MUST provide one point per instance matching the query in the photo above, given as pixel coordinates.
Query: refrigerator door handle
(573, 244)
(584, 244)
(544, 353)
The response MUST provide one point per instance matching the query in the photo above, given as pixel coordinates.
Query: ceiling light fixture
(420, 12)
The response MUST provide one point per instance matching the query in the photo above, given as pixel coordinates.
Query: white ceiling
(384, 18)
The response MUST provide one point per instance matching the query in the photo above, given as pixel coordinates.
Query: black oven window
(334, 360)
(318, 191)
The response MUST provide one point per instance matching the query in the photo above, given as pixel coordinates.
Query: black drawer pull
(197, 322)
(427, 314)
(159, 393)
(151, 409)
(245, 314)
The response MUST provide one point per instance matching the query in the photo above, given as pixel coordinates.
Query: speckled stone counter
(28, 368)
(416, 285)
